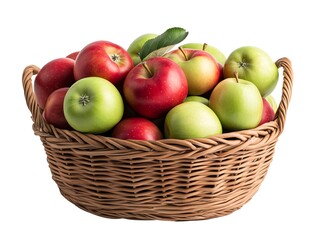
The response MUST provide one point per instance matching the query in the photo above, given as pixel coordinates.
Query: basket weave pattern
(168, 179)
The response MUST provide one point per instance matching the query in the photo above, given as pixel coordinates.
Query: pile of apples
(192, 91)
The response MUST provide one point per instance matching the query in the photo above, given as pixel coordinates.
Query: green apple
(220, 57)
(197, 99)
(93, 105)
(255, 65)
(237, 103)
(136, 46)
(272, 102)
(191, 120)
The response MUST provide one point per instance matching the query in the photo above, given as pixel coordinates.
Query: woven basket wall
(167, 179)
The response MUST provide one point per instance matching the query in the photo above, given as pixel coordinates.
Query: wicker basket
(168, 179)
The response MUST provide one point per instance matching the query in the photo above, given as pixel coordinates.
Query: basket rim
(40, 126)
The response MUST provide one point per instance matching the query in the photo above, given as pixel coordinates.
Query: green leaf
(159, 52)
(161, 44)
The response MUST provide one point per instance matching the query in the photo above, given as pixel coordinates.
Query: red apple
(221, 76)
(155, 86)
(103, 59)
(201, 69)
(137, 128)
(56, 74)
(73, 55)
(268, 112)
(53, 110)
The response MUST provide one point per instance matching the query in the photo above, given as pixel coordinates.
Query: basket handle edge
(31, 102)
(285, 63)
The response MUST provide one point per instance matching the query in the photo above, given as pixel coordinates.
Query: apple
(103, 59)
(136, 46)
(268, 113)
(57, 73)
(197, 99)
(93, 105)
(73, 55)
(53, 110)
(215, 52)
(201, 69)
(221, 69)
(191, 120)
(272, 102)
(137, 128)
(237, 103)
(255, 65)
(155, 86)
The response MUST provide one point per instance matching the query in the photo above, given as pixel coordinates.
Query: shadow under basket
(168, 179)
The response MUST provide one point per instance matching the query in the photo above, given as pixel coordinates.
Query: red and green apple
(215, 52)
(201, 69)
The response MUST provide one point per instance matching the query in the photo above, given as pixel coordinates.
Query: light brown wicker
(167, 179)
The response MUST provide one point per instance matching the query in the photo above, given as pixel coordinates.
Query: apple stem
(204, 46)
(236, 77)
(182, 50)
(147, 68)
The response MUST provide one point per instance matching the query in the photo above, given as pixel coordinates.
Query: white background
(34, 32)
